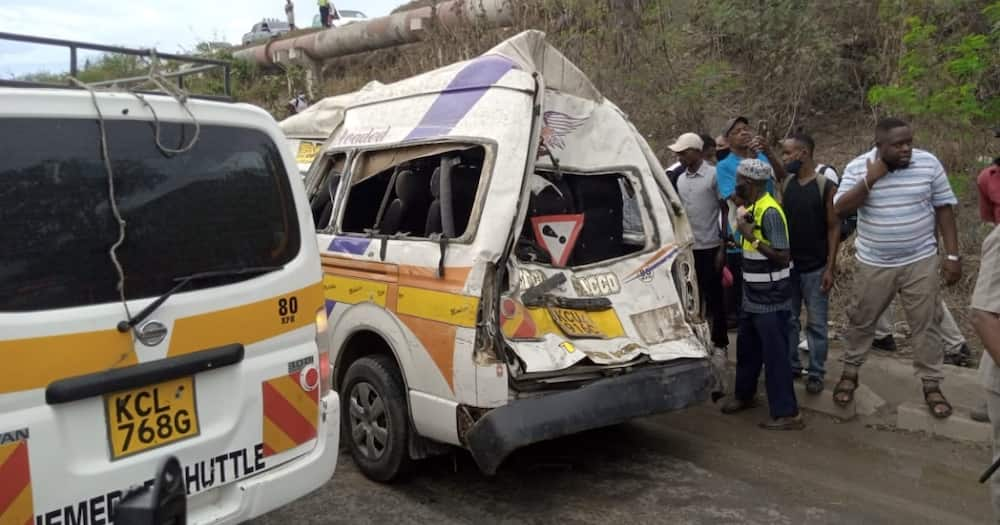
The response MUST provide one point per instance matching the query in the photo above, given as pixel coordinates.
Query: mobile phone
(762, 128)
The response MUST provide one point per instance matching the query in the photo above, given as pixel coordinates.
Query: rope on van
(113, 251)
(178, 94)
(156, 78)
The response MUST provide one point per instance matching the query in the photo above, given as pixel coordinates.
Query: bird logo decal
(557, 126)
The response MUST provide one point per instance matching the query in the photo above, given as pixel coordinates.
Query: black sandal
(933, 404)
(843, 393)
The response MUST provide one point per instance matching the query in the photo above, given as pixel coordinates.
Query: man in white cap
(699, 192)
(763, 324)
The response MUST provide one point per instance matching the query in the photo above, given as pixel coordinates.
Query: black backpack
(675, 174)
(847, 225)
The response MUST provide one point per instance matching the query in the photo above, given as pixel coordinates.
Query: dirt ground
(691, 467)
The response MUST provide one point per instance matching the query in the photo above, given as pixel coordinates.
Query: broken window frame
(317, 180)
(355, 161)
(648, 218)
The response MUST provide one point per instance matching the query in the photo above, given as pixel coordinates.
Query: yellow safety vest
(764, 281)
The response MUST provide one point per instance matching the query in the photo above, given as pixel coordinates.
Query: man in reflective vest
(324, 12)
(763, 339)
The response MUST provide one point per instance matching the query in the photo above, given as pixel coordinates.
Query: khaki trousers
(917, 285)
(947, 334)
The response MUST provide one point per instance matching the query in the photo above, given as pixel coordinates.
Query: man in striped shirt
(903, 199)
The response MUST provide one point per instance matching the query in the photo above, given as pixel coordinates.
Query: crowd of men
(767, 233)
(767, 229)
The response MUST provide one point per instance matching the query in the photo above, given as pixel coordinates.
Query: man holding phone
(902, 196)
(742, 144)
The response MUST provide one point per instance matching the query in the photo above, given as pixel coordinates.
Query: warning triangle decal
(557, 235)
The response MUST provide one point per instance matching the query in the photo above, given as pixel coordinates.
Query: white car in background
(347, 16)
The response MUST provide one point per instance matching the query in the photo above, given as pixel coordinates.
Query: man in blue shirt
(742, 145)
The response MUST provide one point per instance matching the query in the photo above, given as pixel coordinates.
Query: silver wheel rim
(369, 421)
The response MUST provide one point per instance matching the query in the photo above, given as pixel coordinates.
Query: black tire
(378, 438)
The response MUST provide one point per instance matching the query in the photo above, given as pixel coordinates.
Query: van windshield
(224, 205)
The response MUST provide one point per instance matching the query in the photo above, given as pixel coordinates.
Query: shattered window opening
(412, 189)
(606, 204)
(323, 192)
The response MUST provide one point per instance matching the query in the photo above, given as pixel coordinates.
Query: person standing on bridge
(324, 12)
(903, 197)
(764, 319)
(290, 14)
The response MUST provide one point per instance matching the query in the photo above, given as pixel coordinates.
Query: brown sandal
(935, 400)
(843, 393)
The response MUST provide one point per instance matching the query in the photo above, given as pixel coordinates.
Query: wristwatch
(755, 244)
(953, 258)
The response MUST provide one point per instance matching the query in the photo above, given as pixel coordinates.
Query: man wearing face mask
(721, 148)
(814, 233)
(764, 318)
(902, 197)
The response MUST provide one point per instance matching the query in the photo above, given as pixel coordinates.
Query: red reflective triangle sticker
(557, 235)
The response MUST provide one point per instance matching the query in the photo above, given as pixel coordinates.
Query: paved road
(692, 467)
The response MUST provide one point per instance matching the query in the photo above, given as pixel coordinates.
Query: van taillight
(322, 324)
(325, 374)
(323, 345)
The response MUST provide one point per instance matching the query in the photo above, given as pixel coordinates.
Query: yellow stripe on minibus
(38, 361)
(348, 290)
(35, 362)
(444, 307)
(247, 324)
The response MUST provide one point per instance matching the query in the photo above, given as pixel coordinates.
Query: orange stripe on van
(247, 324)
(431, 307)
(371, 270)
(439, 340)
(15, 484)
(453, 281)
(38, 361)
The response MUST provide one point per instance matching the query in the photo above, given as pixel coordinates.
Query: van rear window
(224, 205)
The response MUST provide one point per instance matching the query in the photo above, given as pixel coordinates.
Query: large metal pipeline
(378, 33)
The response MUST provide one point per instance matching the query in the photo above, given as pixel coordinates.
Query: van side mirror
(163, 504)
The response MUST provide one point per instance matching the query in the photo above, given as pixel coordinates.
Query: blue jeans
(763, 342)
(807, 287)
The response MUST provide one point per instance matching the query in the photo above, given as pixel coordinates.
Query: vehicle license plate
(151, 416)
(577, 323)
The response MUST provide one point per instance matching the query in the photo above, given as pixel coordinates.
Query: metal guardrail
(206, 64)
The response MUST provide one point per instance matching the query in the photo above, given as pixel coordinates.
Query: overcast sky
(167, 25)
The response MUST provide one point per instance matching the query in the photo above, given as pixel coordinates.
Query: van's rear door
(222, 374)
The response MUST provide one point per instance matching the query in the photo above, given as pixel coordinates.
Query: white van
(306, 131)
(504, 263)
(189, 327)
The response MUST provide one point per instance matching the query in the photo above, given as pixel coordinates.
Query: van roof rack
(198, 65)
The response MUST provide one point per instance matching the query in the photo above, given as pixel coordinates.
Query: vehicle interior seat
(408, 211)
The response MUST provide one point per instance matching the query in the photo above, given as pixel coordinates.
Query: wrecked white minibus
(504, 263)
